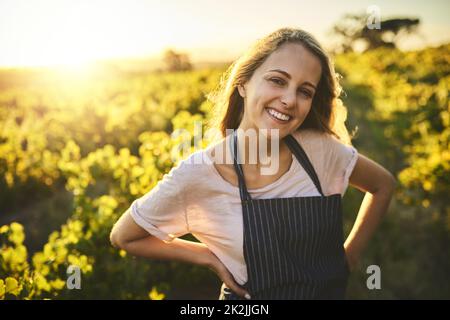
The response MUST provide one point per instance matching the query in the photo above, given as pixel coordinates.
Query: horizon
(49, 33)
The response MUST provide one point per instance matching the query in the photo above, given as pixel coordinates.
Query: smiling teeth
(279, 115)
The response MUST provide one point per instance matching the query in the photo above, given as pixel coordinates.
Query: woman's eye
(277, 81)
(306, 93)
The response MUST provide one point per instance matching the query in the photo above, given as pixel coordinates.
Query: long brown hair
(327, 114)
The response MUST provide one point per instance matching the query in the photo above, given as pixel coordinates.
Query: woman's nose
(289, 98)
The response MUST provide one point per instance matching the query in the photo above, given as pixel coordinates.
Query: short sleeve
(161, 211)
(340, 164)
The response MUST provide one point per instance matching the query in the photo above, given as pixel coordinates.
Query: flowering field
(75, 152)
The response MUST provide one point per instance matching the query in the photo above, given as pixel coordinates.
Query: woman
(277, 235)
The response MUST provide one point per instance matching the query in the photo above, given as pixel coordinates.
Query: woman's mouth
(277, 116)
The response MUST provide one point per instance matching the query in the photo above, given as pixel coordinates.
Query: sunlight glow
(73, 33)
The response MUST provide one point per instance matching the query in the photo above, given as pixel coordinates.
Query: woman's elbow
(116, 238)
(113, 238)
(385, 185)
(126, 231)
(391, 183)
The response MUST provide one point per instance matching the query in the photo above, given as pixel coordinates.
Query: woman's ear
(241, 90)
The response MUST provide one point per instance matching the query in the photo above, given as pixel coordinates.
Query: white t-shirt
(194, 198)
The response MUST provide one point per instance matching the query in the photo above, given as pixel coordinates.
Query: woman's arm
(129, 236)
(379, 185)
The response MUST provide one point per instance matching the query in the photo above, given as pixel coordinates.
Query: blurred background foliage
(75, 152)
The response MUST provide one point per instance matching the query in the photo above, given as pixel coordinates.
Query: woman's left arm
(378, 185)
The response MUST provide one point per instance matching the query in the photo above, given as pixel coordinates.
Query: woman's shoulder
(320, 141)
(312, 140)
(195, 168)
(195, 163)
(332, 159)
(325, 150)
(198, 178)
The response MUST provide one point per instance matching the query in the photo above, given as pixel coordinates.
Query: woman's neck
(260, 150)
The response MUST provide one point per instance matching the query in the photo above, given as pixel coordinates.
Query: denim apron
(293, 247)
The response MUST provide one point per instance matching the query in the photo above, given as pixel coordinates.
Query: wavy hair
(327, 114)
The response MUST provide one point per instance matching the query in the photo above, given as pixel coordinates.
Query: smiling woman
(298, 69)
(267, 236)
(283, 86)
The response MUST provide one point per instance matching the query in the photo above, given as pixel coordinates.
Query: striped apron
(293, 247)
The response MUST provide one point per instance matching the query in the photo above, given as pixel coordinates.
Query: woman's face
(280, 92)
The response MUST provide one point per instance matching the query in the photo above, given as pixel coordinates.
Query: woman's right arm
(129, 236)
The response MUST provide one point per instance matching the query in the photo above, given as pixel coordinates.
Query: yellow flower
(16, 227)
(17, 235)
(41, 282)
(155, 295)
(12, 286)
(57, 284)
(4, 229)
(2, 289)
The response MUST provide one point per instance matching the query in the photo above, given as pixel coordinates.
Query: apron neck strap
(295, 148)
(303, 159)
(245, 196)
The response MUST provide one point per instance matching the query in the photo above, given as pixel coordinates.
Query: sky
(63, 32)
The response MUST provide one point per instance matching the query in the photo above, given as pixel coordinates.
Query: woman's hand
(212, 262)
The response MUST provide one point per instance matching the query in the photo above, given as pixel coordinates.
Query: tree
(353, 29)
(176, 61)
